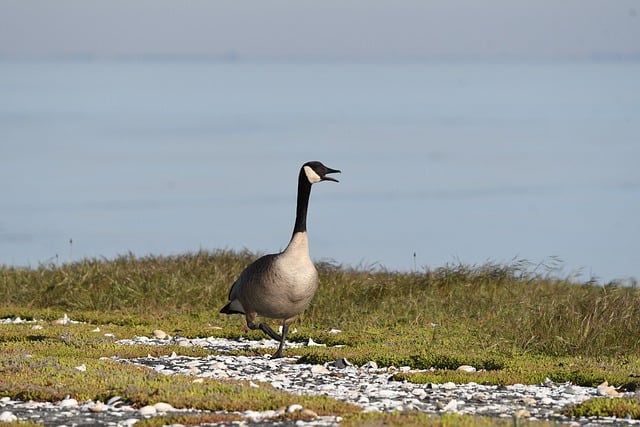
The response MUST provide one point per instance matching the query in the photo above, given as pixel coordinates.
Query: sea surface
(442, 162)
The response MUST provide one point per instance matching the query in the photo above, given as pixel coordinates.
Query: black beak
(329, 178)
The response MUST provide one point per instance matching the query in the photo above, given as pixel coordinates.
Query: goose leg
(285, 329)
(266, 329)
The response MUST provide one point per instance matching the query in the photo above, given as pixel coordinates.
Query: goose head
(316, 172)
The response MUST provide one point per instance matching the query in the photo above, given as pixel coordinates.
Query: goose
(280, 286)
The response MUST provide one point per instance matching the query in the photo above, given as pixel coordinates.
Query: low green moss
(417, 419)
(606, 407)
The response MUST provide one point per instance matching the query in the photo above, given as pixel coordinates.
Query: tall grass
(507, 308)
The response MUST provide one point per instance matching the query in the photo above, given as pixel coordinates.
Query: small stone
(529, 401)
(341, 363)
(448, 386)
(308, 414)
(335, 331)
(7, 417)
(253, 385)
(200, 381)
(163, 407)
(466, 368)
(97, 407)
(37, 327)
(294, 408)
(312, 343)
(370, 365)
(420, 393)
(68, 403)
(160, 334)
(64, 321)
(183, 342)
(97, 329)
(522, 413)
(451, 406)
(319, 369)
(113, 400)
(605, 389)
(81, 368)
(148, 410)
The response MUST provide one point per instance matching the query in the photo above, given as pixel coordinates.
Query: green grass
(517, 325)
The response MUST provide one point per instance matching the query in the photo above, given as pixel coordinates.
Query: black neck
(304, 190)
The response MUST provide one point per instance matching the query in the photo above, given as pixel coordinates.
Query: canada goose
(280, 286)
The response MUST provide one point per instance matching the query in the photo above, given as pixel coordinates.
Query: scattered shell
(312, 343)
(293, 408)
(160, 334)
(308, 413)
(340, 363)
(64, 321)
(419, 393)
(522, 413)
(451, 406)
(605, 389)
(148, 410)
(7, 417)
(466, 368)
(97, 407)
(370, 365)
(68, 403)
(163, 407)
(319, 369)
(113, 400)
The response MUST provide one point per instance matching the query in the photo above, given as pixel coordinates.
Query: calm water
(458, 162)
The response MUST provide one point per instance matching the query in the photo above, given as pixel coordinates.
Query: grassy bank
(517, 324)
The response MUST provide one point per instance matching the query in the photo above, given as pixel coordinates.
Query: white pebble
(452, 406)
(7, 417)
(466, 368)
(160, 334)
(148, 410)
(68, 403)
(370, 365)
(319, 369)
(81, 368)
(163, 407)
(97, 407)
(293, 408)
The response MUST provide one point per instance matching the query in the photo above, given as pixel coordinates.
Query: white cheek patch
(312, 176)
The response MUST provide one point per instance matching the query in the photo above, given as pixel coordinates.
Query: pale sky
(322, 28)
